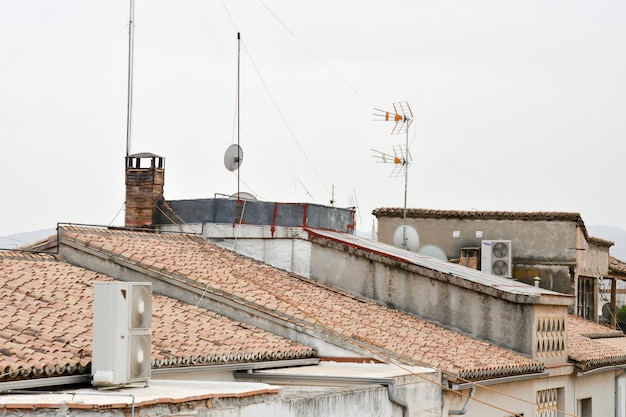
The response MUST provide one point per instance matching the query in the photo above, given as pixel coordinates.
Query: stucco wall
(556, 251)
(424, 399)
(506, 324)
(521, 396)
(537, 240)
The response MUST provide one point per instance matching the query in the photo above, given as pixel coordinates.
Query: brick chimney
(145, 177)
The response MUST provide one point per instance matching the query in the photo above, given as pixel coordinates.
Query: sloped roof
(592, 345)
(45, 328)
(385, 332)
(46, 324)
(617, 267)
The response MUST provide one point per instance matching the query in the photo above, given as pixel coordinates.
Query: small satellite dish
(244, 196)
(233, 157)
(406, 237)
(433, 251)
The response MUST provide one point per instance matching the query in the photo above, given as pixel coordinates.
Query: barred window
(586, 298)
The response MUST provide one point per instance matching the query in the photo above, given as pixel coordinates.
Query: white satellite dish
(233, 157)
(243, 196)
(433, 251)
(406, 237)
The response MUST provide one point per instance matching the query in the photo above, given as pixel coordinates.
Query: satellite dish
(243, 196)
(433, 251)
(233, 157)
(410, 237)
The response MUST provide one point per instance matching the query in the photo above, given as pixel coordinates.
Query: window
(584, 407)
(586, 298)
(547, 402)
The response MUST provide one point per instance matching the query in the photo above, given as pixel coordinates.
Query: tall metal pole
(406, 181)
(129, 107)
(238, 95)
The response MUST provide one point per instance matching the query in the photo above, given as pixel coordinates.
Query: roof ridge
(27, 255)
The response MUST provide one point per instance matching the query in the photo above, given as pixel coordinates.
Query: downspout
(395, 400)
(617, 393)
(467, 403)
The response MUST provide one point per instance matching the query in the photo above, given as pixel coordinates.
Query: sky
(516, 105)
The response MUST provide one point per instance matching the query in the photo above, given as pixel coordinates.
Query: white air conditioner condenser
(122, 340)
(496, 258)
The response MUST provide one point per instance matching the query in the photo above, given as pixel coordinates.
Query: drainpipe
(397, 401)
(467, 403)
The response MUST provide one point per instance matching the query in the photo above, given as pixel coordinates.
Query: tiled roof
(46, 317)
(476, 214)
(617, 267)
(383, 331)
(592, 345)
(43, 330)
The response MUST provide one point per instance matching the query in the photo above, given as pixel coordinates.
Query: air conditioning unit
(495, 257)
(122, 340)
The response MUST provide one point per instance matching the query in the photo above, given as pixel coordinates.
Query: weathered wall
(423, 397)
(506, 324)
(593, 259)
(539, 248)
(537, 240)
(281, 247)
(521, 396)
(230, 211)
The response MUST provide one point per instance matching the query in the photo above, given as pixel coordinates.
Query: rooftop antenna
(234, 154)
(402, 116)
(131, 44)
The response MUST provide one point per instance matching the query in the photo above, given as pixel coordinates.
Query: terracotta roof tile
(476, 214)
(617, 267)
(592, 345)
(45, 324)
(382, 330)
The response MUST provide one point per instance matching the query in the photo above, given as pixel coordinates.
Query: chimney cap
(144, 155)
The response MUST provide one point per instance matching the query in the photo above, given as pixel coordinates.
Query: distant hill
(614, 234)
(19, 239)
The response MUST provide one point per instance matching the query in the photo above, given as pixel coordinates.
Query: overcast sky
(518, 105)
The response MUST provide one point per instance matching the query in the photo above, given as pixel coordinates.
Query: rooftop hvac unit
(122, 342)
(495, 257)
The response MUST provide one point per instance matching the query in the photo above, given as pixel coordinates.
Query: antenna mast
(238, 95)
(131, 42)
(234, 154)
(403, 117)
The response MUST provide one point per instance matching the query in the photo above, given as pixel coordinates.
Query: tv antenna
(402, 116)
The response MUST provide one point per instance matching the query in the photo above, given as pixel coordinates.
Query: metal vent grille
(141, 307)
(139, 360)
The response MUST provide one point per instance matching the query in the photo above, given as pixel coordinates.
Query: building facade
(552, 250)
